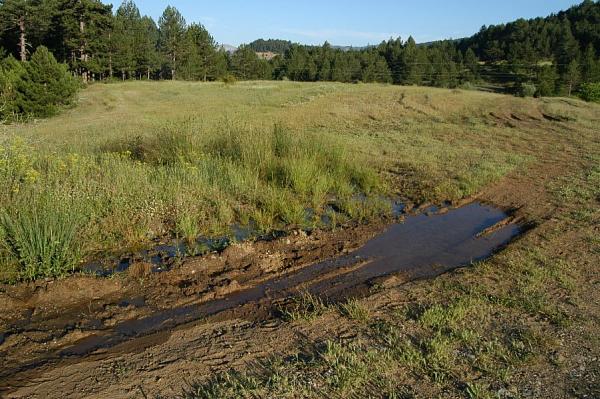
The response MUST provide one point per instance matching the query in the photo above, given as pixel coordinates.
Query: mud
(245, 282)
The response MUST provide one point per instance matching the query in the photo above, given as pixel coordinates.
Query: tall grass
(184, 180)
(40, 238)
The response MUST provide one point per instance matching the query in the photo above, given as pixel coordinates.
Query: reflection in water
(422, 246)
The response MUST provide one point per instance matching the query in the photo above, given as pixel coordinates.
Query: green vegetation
(591, 92)
(39, 238)
(39, 87)
(141, 161)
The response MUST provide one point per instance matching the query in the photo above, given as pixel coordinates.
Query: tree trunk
(123, 75)
(82, 54)
(173, 68)
(148, 73)
(110, 64)
(22, 39)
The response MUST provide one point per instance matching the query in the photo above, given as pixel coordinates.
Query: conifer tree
(44, 86)
(590, 71)
(148, 59)
(547, 78)
(82, 27)
(126, 34)
(471, 64)
(200, 54)
(26, 20)
(411, 74)
(570, 77)
(172, 27)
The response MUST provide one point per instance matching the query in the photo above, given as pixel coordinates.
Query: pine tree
(411, 74)
(200, 55)
(83, 24)
(11, 73)
(45, 85)
(172, 27)
(29, 20)
(340, 69)
(246, 65)
(148, 59)
(571, 77)
(126, 34)
(590, 71)
(324, 63)
(471, 64)
(547, 77)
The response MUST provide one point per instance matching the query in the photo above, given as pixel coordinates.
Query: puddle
(162, 257)
(424, 245)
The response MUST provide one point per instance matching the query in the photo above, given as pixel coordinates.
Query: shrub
(229, 79)
(38, 87)
(590, 92)
(468, 86)
(527, 90)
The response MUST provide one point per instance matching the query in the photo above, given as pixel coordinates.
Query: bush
(229, 79)
(527, 90)
(35, 88)
(468, 86)
(590, 92)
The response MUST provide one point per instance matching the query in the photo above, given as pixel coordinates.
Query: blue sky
(349, 22)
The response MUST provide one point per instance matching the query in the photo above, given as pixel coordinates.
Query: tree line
(544, 56)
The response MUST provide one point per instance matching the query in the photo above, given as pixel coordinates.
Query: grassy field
(139, 161)
(136, 162)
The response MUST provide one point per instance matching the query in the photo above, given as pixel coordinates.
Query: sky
(349, 22)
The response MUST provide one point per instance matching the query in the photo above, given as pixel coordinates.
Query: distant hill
(352, 48)
(270, 46)
(433, 43)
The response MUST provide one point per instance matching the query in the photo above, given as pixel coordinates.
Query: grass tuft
(41, 238)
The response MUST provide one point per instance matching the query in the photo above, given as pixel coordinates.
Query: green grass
(355, 310)
(303, 307)
(39, 238)
(139, 161)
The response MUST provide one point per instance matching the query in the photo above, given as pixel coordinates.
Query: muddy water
(423, 245)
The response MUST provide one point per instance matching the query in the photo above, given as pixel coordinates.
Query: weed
(355, 310)
(187, 227)
(304, 307)
(476, 390)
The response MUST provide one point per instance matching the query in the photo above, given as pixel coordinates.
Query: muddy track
(246, 282)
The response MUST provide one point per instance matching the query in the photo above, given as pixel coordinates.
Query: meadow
(136, 162)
